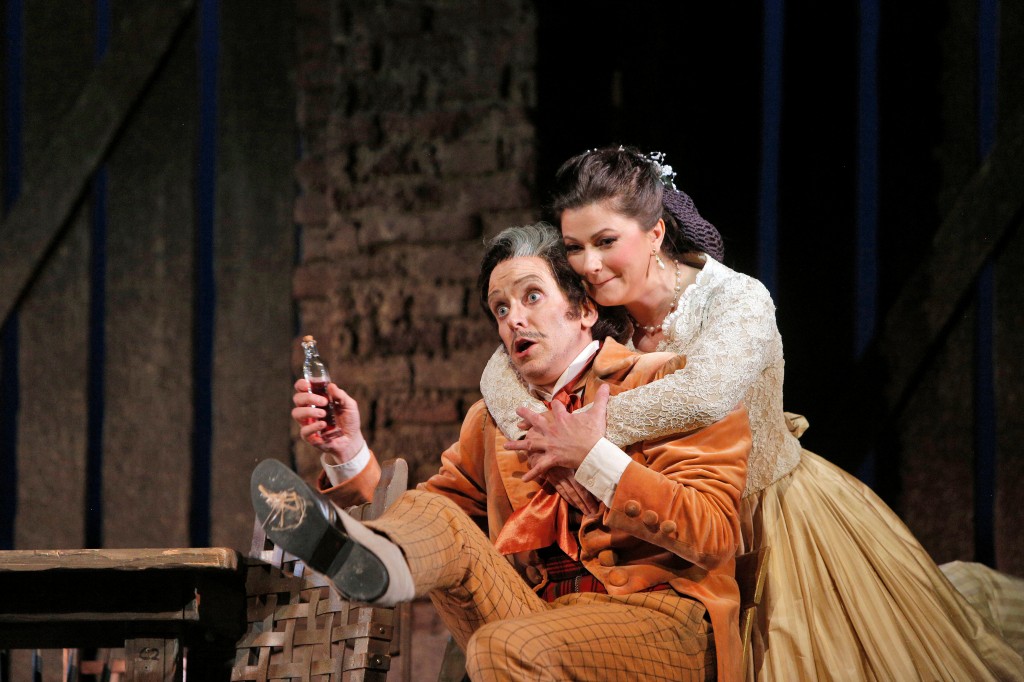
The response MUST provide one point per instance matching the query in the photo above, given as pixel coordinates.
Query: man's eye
(533, 296)
(501, 311)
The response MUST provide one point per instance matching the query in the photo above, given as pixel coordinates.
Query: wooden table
(156, 603)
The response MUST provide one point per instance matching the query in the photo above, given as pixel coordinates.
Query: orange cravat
(570, 400)
(544, 520)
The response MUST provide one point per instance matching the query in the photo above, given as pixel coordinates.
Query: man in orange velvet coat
(585, 574)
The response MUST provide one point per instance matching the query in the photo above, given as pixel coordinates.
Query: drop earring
(657, 257)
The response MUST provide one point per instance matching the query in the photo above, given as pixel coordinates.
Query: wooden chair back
(751, 571)
(299, 625)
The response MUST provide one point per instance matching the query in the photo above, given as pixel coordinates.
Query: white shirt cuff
(339, 473)
(602, 469)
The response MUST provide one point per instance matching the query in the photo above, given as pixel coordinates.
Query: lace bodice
(725, 326)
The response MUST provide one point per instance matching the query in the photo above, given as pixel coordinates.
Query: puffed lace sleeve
(727, 345)
(503, 392)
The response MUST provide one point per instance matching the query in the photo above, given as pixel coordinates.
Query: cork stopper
(307, 339)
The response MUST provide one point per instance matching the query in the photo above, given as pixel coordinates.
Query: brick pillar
(416, 143)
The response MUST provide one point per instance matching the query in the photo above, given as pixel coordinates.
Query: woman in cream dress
(850, 594)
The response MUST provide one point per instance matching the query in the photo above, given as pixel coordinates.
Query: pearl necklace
(654, 328)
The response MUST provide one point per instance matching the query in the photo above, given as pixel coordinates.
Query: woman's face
(611, 252)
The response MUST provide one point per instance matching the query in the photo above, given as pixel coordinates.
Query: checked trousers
(509, 633)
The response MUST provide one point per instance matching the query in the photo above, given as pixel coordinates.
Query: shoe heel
(360, 574)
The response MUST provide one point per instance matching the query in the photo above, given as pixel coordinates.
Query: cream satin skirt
(851, 595)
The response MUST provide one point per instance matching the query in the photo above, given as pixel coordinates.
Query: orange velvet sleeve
(684, 495)
(356, 490)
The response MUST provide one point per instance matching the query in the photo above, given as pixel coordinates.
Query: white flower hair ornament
(664, 171)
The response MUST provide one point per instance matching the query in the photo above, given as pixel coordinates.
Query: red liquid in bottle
(320, 388)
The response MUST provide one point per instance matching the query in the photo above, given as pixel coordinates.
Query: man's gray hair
(539, 240)
(525, 241)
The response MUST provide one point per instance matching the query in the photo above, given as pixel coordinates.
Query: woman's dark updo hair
(631, 184)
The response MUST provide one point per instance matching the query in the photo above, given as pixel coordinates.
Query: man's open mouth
(521, 344)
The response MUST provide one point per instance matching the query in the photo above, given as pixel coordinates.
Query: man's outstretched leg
(455, 564)
(423, 545)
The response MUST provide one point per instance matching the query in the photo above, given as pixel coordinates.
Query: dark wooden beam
(990, 204)
(55, 179)
(982, 216)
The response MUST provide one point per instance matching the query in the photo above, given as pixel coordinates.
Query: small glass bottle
(315, 372)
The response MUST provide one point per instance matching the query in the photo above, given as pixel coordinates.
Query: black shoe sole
(290, 514)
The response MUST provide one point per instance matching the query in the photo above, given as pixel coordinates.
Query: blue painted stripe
(865, 317)
(866, 265)
(771, 117)
(10, 387)
(205, 285)
(97, 360)
(102, 29)
(985, 419)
